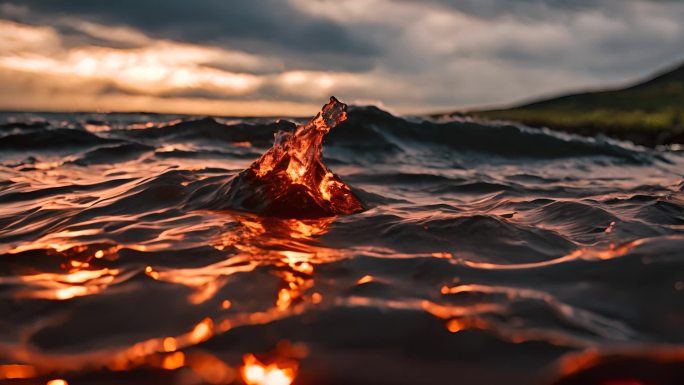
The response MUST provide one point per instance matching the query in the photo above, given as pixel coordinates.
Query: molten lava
(290, 180)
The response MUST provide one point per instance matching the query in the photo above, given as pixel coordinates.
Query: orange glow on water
(67, 286)
(444, 255)
(202, 331)
(149, 271)
(296, 282)
(622, 366)
(455, 325)
(307, 229)
(173, 361)
(284, 299)
(15, 371)
(210, 368)
(365, 279)
(57, 382)
(287, 248)
(169, 344)
(70, 292)
(260, 241)
(254, 372)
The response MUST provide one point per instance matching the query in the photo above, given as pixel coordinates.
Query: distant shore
(644, 136)
(648, 113)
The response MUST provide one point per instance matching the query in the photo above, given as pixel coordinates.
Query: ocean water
(487, 253)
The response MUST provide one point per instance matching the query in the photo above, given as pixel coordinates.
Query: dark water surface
(489, 254)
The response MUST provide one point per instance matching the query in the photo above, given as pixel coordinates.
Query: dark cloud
(264, 26)
(416, 55)
(535, 9)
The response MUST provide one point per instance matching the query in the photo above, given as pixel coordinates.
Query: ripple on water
(474, 253)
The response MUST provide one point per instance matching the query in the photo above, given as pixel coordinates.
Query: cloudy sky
(284, 57)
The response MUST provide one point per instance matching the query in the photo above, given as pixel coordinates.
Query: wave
(480, 246)
(52, 139)
(383, 130)
(369, 133)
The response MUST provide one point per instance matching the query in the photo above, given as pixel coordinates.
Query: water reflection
(277, 367)
(65, 286)
(647, 365)
(16, 371)
(81, 272)
(254, 372)
(58, 381)
(288, 246)
(283, 248)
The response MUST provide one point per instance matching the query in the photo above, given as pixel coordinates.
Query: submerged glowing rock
(290, 180)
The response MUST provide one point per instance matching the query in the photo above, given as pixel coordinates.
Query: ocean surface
(487, 253)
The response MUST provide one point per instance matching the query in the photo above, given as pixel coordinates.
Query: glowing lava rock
(290, 180)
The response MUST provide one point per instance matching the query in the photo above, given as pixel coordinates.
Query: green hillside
(649, 113)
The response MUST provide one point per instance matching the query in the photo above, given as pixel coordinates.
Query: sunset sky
(285, 57)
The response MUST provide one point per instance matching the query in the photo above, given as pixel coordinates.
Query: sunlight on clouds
(318, 83)
(24, 90)
(37, 66)
(157, 69)
(17, 38)
(426, 56)
(209, 56)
